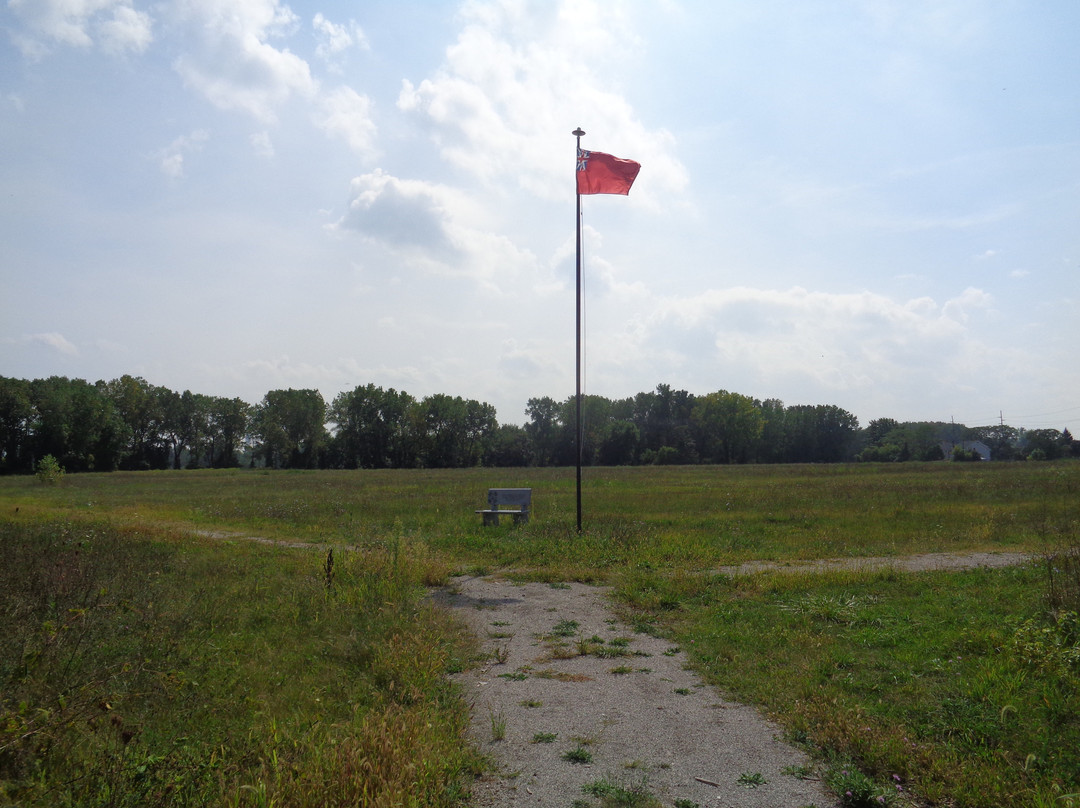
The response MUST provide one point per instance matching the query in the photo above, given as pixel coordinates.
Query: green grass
(143, 664)
(654, 517)
(956, 685)
(137, 668)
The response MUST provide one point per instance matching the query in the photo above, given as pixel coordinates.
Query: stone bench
(499, 499)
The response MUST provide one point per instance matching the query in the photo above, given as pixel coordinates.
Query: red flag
(599, 173)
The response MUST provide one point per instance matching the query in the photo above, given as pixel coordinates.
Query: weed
(828, 608)
(751, 779)
(584, 647)
(531, 703)
(610, 652)
(682, 802)
(617, 795)
(579, 754)
(682, 691)
(545, 737)
(622, 670)
(328, 569)
(498, 726)
(854, 788)
(565, 628)
(1063, 577)
(562, 676)
(515, 676)
(563, 650)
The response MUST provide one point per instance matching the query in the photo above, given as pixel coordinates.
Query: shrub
(49, 471)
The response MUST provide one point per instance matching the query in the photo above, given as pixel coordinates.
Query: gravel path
(630, 704)
(642, 718)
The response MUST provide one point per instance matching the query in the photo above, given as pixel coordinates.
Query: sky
(873, 204)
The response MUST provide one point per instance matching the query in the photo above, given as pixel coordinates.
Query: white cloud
(172, 156)
(262, 144)
(55, 340)
(347, 114)
(427, 225)
(334, 39)
(404, 214)
(236, 67)
(128, 30)
(115, 24)
(519, 78)
(772, 338)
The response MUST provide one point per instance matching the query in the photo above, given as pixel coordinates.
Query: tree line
(128, 423)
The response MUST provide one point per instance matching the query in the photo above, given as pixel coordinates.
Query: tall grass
(136, 669)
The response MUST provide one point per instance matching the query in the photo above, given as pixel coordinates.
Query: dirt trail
(921, 562)
(642, 717)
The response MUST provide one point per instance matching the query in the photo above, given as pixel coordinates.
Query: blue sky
(868, 203)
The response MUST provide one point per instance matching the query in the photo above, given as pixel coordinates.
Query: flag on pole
(599, 173)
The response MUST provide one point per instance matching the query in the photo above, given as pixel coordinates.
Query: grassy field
(144, 662)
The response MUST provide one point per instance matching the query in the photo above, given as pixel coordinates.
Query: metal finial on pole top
(577, 156)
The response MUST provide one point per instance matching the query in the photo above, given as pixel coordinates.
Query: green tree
(372, 428)
(49, 472)
(595, 416)
(480, 426)
(442, 420)
(727, 426)
(508, 446)
(77, 424)
(1044, 444)
(543, 428)
(228, 424)
(16, 419)
(822, 433)
(618, 444)
(185, 425)
(291, 426)
(1002, 439)
(140, 408)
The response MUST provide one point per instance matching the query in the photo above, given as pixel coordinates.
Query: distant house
(947, 447)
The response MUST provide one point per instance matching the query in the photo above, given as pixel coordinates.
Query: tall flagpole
(578, 133)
